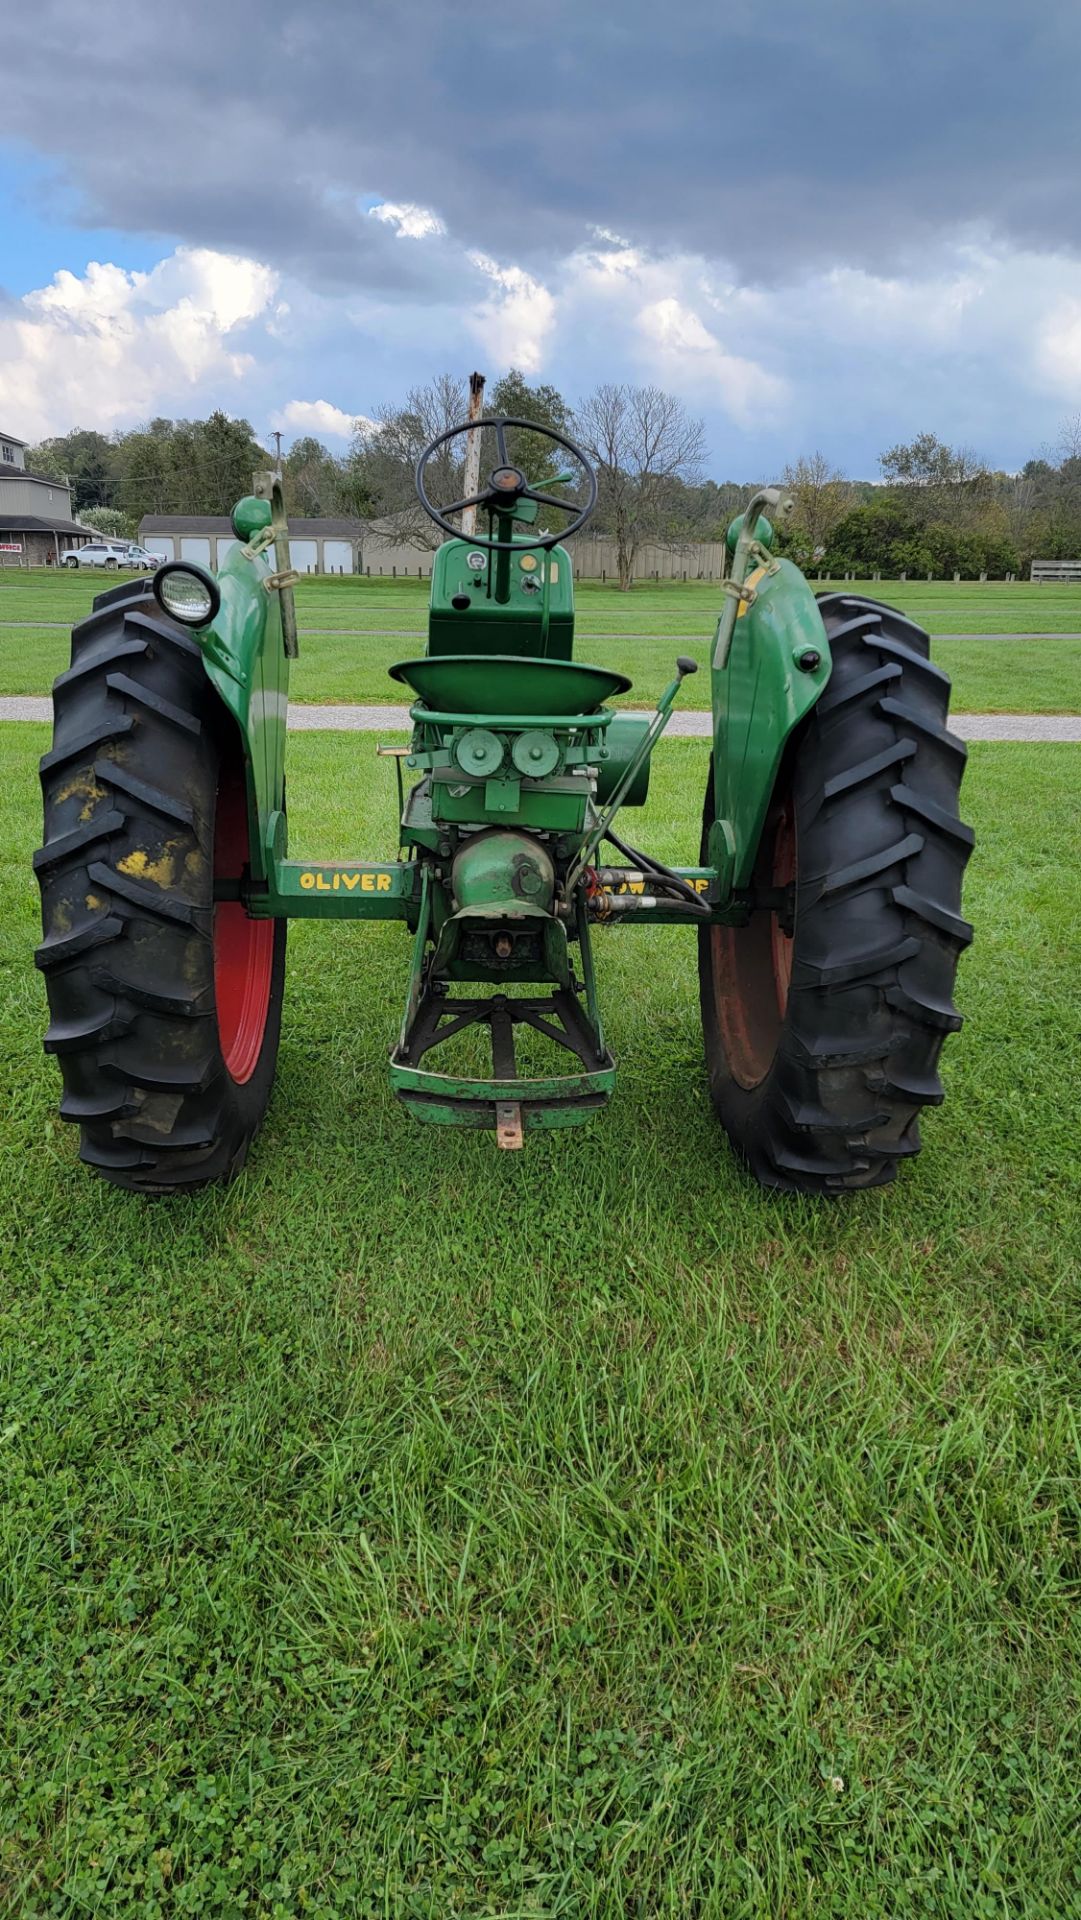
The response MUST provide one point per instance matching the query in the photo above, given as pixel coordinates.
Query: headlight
(187, 593)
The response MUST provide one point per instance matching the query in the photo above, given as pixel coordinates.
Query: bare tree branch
(822, 496)
(385, 452)
(640, 439)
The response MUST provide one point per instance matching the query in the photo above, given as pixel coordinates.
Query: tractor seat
(494, 683)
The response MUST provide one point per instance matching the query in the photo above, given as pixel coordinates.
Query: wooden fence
(594, 557)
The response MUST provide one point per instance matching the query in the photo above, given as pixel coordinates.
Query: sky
(824, 227)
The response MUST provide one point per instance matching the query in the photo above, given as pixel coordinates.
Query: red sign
(11, 546)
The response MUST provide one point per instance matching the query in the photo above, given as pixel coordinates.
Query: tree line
(166, 466)
(933, 509)
(938, 510)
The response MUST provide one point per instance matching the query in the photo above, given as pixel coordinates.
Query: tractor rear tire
(823, 1032)
(165, 1007)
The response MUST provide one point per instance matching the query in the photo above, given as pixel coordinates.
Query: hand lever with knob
(684, 666)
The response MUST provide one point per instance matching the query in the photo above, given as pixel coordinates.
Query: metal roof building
(35, 513)
(318, 546)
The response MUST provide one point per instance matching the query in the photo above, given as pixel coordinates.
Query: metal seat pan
(491, 683)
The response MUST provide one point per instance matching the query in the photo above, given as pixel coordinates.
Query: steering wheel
(507, 485)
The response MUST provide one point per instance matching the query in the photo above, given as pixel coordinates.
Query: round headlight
(186, 592)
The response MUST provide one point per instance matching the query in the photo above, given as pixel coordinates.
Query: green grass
(411, 1530)
(673, 607)
(989, 676)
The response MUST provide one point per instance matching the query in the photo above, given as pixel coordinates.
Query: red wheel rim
(752, 965)
(243, 948)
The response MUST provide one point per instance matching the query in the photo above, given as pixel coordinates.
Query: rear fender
(244, 656)
(759, 697)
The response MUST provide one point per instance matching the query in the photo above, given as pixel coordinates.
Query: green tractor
(825, 897)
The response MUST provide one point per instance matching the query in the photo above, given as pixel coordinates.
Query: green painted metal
(622, 742)
(501, 603)
(534, 1100)
(251, 515)
(455, 1110)
(355, 890)
(479, 751)
(638, 758)
(504, 872)
(583, 724)
(517, 767)
(536, 754)
(760, 693)
(763, 531)
(486, 684)
(589, 976)
(557, 805)
(244, 655)
(561, 1086)
(416, 965)
(337, 890)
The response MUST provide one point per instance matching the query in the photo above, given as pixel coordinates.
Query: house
(317, 546)
(36, 523)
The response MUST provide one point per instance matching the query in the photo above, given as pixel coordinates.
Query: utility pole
(471, 477)
(275, 434)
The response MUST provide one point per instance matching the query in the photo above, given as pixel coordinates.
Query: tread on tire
(820, 1080)
(134, 787)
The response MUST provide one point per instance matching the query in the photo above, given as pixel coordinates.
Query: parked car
(98, 553)
(112, 554)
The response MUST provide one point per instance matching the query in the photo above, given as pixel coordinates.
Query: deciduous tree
(641, 440)
(86, 458)
(385, 452)
(513, 397)
(108, 521)
(315, 482)
(822, 496)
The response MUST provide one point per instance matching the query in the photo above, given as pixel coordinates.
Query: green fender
(244, 656)
(759, 696)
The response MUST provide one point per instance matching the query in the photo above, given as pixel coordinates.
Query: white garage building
(318, 546)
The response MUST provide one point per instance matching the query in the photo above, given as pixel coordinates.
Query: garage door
(193, 547)
(338, 556)
(225, 546)
(162, 543)
(305, 555)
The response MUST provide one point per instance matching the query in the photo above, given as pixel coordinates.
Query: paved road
(342, 719)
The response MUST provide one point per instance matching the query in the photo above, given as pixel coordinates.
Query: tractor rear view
(825, 893)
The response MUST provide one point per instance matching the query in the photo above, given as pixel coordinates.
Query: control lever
(684, 666)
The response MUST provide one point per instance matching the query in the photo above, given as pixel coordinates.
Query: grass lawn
(671, 607)
(989, 676)
(412, 1530)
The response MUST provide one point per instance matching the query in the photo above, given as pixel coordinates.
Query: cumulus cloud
(515, 321)
(620, 227)
(978, 341)
(109, 347)
(409, 222)
(318, 417)
(1058, 348)
(687, 355)
(649, 309)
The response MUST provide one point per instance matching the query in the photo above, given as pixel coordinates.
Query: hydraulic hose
(663, 876)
